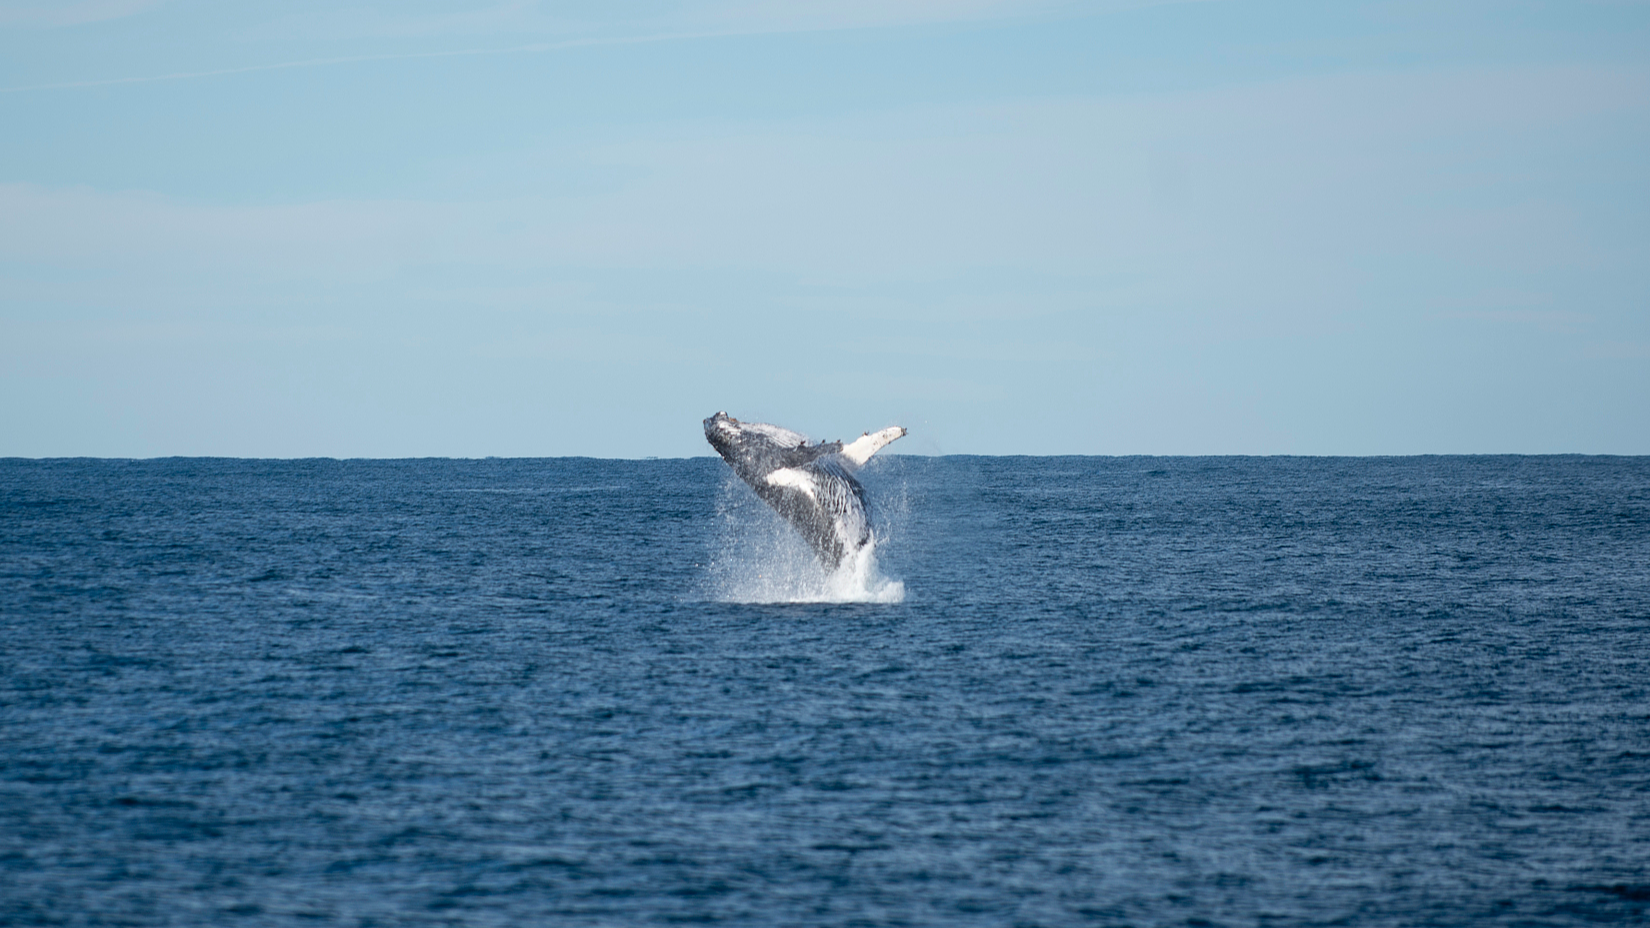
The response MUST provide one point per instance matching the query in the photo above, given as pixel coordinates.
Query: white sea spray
(758, 558)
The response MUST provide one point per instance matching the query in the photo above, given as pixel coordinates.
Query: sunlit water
(1070, 691)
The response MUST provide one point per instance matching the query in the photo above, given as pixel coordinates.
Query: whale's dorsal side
(811, 486)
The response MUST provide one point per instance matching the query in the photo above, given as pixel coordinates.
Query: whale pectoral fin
(860, 449)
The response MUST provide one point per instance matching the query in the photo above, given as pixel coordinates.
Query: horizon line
(16, 458)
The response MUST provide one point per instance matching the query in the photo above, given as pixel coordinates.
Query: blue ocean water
(1087, 691)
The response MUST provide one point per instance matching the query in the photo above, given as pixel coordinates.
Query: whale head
(722, 431)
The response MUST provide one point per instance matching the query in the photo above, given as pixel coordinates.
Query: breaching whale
(812, 486)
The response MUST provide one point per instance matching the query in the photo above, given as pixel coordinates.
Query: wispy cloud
(70, 13)
(789, 16)
(1319, 229)
(518, 18)
(1282, 188)
(1548, 320)
(572, 18)
(536, 47)
(674, 23)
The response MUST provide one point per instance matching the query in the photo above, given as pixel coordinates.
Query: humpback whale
(812, 486)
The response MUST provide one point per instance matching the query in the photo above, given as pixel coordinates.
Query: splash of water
(760, 559)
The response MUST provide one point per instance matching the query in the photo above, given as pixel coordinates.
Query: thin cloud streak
(761, 27)
(55, 15)
(535, 48)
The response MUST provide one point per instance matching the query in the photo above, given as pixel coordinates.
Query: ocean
(1068, 691)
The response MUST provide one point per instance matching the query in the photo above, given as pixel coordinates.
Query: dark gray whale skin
(834, 519)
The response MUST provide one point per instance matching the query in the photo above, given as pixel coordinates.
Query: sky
(442, 228)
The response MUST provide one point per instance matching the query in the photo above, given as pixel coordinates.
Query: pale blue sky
(448, 228)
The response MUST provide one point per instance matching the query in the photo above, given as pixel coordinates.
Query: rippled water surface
(1144, 691)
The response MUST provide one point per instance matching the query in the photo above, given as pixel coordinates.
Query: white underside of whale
(858, 451)
(794, 479)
